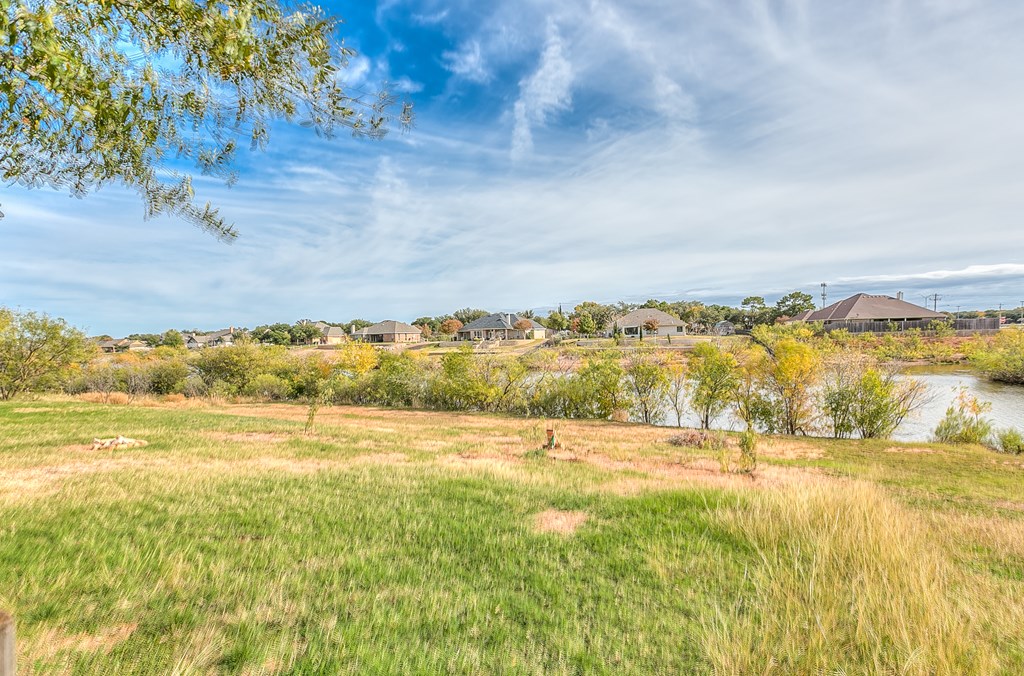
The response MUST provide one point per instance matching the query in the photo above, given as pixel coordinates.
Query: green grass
(403, 542)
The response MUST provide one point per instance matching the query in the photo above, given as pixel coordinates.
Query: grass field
(404, 541)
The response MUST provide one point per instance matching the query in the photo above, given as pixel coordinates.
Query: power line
(934, 298)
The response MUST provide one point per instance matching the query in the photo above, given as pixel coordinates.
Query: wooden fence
(961, 326)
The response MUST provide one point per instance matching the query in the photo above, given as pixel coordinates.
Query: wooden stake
(7, 654)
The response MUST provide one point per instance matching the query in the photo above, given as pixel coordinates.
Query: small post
(7, 655)
(550, 444)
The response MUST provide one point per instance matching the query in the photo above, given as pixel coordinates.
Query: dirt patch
(250, 437)
(785, 449)
(41, 409)
(1009, 504)
(910, 449)
(381, 459)
(558, 521)
(52, 642)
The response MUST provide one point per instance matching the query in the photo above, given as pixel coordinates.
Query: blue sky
(590, 149)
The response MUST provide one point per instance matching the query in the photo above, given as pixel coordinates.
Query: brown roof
(865, 307)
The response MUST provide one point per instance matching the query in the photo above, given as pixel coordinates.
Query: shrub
(748, 451)
(1009, 441)
(268, 387)
(963, 422)
(1003, 358)
(703, 439)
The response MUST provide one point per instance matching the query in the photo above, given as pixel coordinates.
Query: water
(943, 383)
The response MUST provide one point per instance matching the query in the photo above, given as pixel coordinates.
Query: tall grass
(844, 581)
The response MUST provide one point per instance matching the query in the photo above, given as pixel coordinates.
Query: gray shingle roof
(498, 320)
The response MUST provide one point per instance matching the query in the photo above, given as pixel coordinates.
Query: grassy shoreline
(397, 540)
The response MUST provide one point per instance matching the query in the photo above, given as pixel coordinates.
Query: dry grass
(848, 580)
(397, 517)
(558, 521)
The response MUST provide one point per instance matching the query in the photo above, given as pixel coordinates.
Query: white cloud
(405, 85)
(548, 90)
(467, 62)
(720, 148)
(969, 273)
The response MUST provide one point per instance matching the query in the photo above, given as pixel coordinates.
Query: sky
(589, 150)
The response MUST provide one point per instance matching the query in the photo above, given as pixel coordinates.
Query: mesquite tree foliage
(117, 91)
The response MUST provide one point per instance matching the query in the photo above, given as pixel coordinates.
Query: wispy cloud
(664, 147)
(548, 90)
(467, 62)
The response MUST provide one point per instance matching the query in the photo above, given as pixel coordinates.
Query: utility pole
(824, 293)
(934, 298)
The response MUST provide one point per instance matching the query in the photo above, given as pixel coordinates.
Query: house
(388, 331)
(864, 307)
(502, 326)
(631, 323)
(330, 335)
(122, 345)
(224, 337)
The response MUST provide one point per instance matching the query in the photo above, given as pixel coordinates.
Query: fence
(961, 326)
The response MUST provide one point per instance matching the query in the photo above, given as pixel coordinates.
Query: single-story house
(388, 331)
(122, 345)
(502, 326)
(330, 335)
(224, 337)
(633, 322)
(864, 307)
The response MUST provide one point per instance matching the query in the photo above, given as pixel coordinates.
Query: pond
(943, 384)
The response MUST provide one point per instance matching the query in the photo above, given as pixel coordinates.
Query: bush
(704, 439)
(1003, 358)
(268, 387)
(748, 451)
(963, 422)
(1009, 441)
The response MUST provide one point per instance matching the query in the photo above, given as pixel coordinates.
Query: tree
(587, 326)
(789, 374)
(793, 304)
(678, 385)
(467, 315)
(172, 338)
(556, 321)
(650, 326)
(305, 332)
(713, 380)
(601, 314)
(648, 383)
(756, 312)
(523, 325)
(450, 327)
(36, 349)
(101, 93)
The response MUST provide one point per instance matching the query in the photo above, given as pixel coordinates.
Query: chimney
(899, 295)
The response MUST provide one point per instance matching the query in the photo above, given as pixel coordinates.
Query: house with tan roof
(388, 331)
(632, 323)
(331, 335)
(198, 341)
